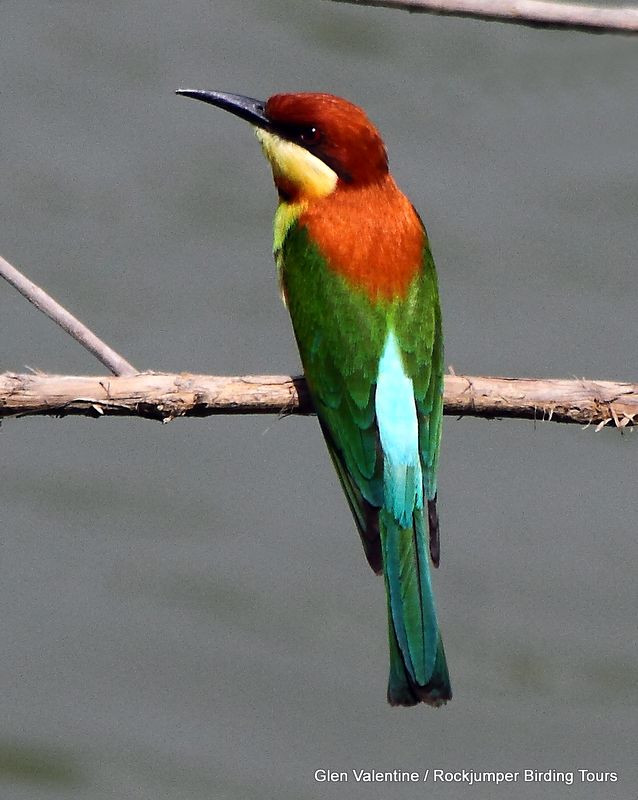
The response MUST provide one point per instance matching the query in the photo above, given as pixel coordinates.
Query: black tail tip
(408, 694)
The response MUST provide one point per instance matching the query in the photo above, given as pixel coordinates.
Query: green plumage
(341, 333)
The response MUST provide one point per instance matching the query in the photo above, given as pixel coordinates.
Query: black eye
(310, 135)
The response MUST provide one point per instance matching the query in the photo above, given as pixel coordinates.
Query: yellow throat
(297, 167)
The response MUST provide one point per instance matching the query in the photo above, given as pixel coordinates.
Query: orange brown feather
(369, 234)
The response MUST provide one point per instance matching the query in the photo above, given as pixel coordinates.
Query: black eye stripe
(311, 138)
(306, 135)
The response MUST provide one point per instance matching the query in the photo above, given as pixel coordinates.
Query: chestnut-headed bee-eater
(358, 279)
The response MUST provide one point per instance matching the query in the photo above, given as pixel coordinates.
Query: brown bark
(535, 13)
(165, 397)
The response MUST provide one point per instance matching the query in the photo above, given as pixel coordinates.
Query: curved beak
(247, 108)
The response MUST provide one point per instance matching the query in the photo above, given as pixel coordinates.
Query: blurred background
(185, 609)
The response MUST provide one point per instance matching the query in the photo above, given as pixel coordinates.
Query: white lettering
(330, 776)
(393, 776)
(471, 776)
(589, 776)
(548, 776)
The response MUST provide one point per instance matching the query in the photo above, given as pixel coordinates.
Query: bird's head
(314, 142)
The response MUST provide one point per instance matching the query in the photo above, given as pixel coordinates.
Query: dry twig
(45, 303)
(535, 13)
(165, 397)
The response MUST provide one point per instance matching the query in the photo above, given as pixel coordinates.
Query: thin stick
(69, 323)
(536, 13)
(165, 397)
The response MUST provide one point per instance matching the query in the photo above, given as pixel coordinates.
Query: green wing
(340, 336)
(421, 341)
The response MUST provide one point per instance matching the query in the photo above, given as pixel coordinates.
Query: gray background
(185, 611)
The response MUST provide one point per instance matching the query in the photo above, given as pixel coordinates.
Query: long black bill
(247, 108)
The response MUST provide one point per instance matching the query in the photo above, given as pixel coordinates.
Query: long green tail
(418, 669)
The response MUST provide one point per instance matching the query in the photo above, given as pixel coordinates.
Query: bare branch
(165, 397)
(536, 13)
(41, 300)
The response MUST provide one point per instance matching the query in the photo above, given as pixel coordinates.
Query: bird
(358, 278)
